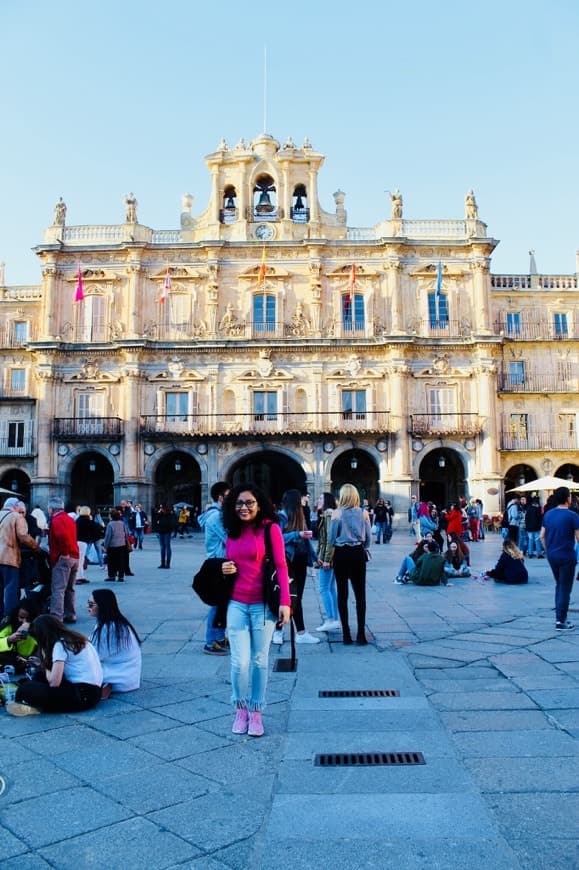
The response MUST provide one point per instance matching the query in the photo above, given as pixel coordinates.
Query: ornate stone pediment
(355, 368)
(449, 273)
(91, 371)
(265, 369)
(176, 371)
(271, 272)
(345, 273)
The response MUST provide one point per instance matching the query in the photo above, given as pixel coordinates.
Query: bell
(230, 203)
(299, 206)
(264, 204)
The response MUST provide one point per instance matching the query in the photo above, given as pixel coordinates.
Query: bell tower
(263, 191)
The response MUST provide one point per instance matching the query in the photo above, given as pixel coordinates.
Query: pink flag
(166, 286)
(79, 294)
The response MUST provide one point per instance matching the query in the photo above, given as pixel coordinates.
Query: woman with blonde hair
(511, 566)
(351, 535)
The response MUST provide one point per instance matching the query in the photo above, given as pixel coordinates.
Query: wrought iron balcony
(423, 425)
(171, 427)
(535, 383)
(538, 329)
(16, 445)
(87, 428)
(432, 328)
(539, 441)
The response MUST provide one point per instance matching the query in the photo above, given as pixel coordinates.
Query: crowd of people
(64, 670)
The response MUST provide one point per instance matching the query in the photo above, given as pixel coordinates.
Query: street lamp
(177, 465)
(353, 463)
(92, 465)
(441, 462)
(521, 480)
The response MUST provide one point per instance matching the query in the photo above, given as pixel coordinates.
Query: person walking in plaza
(413, 518)
(250, 623)
(63, 551)
(138, 524)
(510, 567)
(165, 525)
(560, 537)
(115, 546)
(211, 521)
(381, 521)
(87, 532)
(117, 644)
(533, 524)
(13, 535)
(72, 672)
(327, 578)
(351, 536)
(300, 555)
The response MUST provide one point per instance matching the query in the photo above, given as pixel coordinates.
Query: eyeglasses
(91, 603)
(251, 503)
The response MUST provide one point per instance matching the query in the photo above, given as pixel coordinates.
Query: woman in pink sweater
(250, 623)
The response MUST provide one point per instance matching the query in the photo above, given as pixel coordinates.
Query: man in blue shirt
(560, 536)
(211, 521)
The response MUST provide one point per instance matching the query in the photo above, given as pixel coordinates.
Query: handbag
(211, 585)
(271, 584)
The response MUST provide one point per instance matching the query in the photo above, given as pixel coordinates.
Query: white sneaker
(277, 636)
(306, 637)
(330, 625)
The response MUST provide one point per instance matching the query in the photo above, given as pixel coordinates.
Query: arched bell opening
(300, 212)
(229, 212)
(265, 198)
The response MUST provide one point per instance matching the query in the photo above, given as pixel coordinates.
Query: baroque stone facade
(267, 339)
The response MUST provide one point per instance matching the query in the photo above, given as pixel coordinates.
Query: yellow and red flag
(261, 276)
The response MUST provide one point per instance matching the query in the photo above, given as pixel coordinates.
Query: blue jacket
(211, 521)
(294, 542)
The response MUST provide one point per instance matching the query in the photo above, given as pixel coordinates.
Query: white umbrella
(545, 483)
(9, 492)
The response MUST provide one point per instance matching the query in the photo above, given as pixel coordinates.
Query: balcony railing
(445, 424)
(533, 282)
(17, 446)
(300, 215)
(87, 428)
(532, 383)
(539, 441)
(440, 328)
(540, 329)
(228, 215)
(170, 427)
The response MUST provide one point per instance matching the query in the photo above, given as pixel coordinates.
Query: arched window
(228, 213)
(265, 199)
(263, 313)
(353, 319)
(300, 213)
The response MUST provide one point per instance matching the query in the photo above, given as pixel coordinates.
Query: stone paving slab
(148, 844)
(180, 742)
(477, 700)
(497, 720)
(538, 815)
(525, 774)
(515, 744)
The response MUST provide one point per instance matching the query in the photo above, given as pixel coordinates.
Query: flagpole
(265, 88)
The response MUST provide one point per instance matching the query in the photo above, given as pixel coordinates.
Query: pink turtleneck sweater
(248, 553)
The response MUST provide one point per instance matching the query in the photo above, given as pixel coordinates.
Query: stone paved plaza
(489, 693)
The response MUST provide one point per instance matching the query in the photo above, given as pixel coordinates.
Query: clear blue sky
(103, 98)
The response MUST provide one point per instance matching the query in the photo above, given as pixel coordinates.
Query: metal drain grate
(368, 759)
(360, 693)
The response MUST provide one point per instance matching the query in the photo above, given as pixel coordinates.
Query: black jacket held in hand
(214, 588)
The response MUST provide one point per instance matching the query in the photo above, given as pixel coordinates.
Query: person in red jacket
(64, 556)
(453, 520)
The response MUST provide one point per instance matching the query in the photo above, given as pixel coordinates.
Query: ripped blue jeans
(250, 633)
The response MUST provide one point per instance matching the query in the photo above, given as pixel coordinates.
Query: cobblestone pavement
(488, 692)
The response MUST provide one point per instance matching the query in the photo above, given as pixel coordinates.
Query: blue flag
(437, 291)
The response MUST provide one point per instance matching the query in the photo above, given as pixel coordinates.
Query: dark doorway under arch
(18, 482)
(272, 471)
(568, 472)
(91, 482)
(516, 476)
(178, 478)
(442, 477)
(357, 467)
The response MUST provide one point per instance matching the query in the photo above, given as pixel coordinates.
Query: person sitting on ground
(511, 566)
(463, 547)
(72, 671)
(409, 562)
(16, 645)
(117, 643)
(454, 562)
(429, 569)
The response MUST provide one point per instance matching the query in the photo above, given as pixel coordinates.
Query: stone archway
(357, 467)
(442, 477)
(178, 478)
(274, 472)
(18, 482)
(91, 482)
(568, 471)
(517, 475)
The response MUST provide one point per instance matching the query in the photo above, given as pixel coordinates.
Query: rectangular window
(90, 411)
(441, 406)
(353, 316)
(353, 404)
(15, 434)
(20, 332)
(560, 324)
(264, 405)
(176, 407)
(264, 313)
(567, 424)
(438, 311)
(513, 323)
(179, 313)
(519, 426)
(17, 380)
(516, 373)
(92, 324)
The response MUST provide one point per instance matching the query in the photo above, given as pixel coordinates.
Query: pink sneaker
(241, 721)
(255, 728)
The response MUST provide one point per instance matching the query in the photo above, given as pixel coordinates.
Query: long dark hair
(11, 619)
(109, 617)
(231, 522)
(48, 630)
(455, 557)
(291, 502)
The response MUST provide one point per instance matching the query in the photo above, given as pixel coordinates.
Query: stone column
(481, 294)
(215, 201)
(399, 377)
(131, 312)
(50, 313)
(486, 389)
(130, 459)
(313, 202)
(394, 268)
